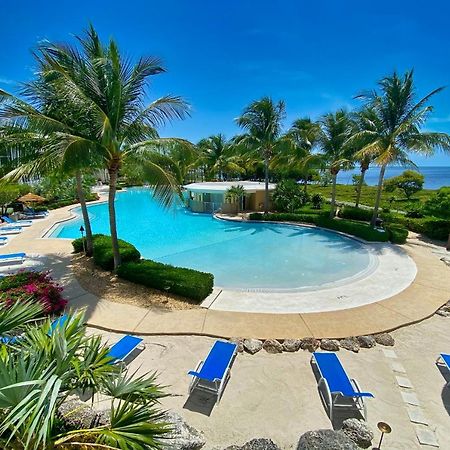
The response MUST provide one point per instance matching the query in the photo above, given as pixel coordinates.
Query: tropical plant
(42, 368)
(262, 121)
(8, 193)
(336, 129)
(289, 196)
(317, 201)
(396, 130)
(410, 182)
(114, 126)
(235, 194)
(438, 204)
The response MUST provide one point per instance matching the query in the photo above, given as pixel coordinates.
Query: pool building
(210, 196)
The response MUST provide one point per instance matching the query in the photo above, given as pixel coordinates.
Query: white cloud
(439, 119)
(6, 81)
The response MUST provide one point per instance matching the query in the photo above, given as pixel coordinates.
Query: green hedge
(103, 254)
(350, 212)
(397, 234)
(358, 229)
(177, 280)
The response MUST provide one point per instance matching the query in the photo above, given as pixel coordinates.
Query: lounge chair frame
(216, 386)
(440, 362)
(337, 399)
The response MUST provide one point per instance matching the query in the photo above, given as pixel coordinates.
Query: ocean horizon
(435, 176)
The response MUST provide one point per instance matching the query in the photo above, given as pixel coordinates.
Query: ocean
(435, 177)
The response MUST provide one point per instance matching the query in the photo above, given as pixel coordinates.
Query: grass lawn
(347, 193)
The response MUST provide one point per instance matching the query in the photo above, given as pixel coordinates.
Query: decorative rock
(325, 440)
(366, 341)
(331, 345)
(384, 339)
(443, 313)
(350, 344)
(309, 343)
(256, 444)
(252, 346)
(183, 436)
(272, 346)
(75, 414)
(358, 431)
(239, 342)
(291, 345)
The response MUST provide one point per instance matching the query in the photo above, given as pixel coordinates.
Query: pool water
(240, 255)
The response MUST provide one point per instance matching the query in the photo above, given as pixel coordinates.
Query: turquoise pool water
(240, 255)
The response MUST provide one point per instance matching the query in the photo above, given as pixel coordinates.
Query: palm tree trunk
(84, 211)
(266, 181)
(360, 185)
(448, 243)
(112, 214)
(333, 196)
(378, 198)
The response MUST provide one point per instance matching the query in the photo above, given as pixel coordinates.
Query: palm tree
(38, 372)
(304, 134)
(335, 132)
(97, 79)
(397, 127)
(218, 156)
(262, 121)
(235, 194)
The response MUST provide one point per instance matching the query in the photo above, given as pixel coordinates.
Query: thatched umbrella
(31, 198)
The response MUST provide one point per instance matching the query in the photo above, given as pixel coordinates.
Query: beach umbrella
(31, 198)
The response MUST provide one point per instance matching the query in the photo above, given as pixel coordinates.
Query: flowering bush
(37, 286)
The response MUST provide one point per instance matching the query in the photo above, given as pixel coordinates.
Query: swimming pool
(243, 256)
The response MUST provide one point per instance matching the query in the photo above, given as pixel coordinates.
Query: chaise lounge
(122, 349)
(212, 374)
(3, 240)
(444, 361)
(13, 257)
(336, 389)
(21, 223)
(10, 230)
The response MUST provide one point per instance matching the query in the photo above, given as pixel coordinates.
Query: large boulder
(256, 444)
(239, 342)
(309, 343)
(252, 346)
(385, 339)
(291, 345)
(183, 436)
(366, 341)
(325, 440)
(358, 431)
(350, 343)
(330, 345)
(272, 346)
(75, 414)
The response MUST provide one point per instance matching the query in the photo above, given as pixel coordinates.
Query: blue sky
(316, 55)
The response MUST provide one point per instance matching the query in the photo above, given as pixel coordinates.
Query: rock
(325, 440)
(252, 346)
(446, 260)
(75, 414)
(183, 436)
(331, 345)
(239, 342)
(366, 341)
(272, 346)
(384, 339)
(350, 343)
(309, 343)
(358, 431)
(256, 444)
(443, 313)
(291, 345)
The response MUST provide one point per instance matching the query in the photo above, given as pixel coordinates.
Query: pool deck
(429, 290)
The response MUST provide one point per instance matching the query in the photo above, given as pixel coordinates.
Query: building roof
(222, 186)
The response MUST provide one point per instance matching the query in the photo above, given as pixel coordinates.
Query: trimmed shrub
(397, 234)
(35, 286)
(317, 200)
(430, 226)
(186, 282)
(103, 254)
(350, 212)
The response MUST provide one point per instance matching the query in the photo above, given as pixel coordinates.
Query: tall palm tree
(397, 128)
(218, 156)
(111, 89)
(262, 121)
(335, 132)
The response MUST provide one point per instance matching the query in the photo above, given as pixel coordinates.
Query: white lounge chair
(10, 230)
(13, 257)
(21, 223)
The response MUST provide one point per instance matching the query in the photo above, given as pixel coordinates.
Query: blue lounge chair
(10, 230)
(59, 322)
(213, 374)
(22, 223)
(335, 387)
(8, 339)
(32, 213)
(3, 240)
(124, 347)
(11, 257)
(444, 361)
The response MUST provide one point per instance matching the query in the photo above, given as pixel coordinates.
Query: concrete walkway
(429, 290)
